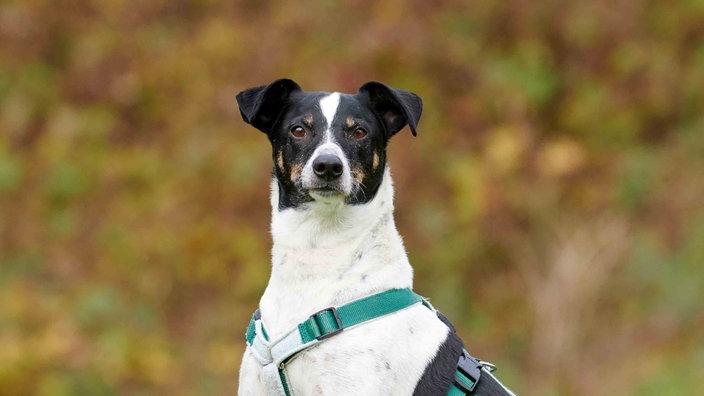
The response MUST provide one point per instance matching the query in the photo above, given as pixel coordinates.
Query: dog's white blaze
(328, 106)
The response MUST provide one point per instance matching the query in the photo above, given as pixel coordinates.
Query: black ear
(395, 107)
(262, 106)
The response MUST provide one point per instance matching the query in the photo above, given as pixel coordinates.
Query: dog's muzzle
(327, 173)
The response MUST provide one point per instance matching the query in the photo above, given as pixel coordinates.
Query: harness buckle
(468, 368)
(338, 322)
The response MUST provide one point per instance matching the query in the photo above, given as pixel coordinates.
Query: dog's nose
(328, 166)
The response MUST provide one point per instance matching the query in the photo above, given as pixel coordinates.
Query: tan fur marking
(308, 120)
(375, 161)
(349, 122)
(280, 160)
(296, 172)
(358, 174)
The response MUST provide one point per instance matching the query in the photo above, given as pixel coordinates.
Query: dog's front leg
(250, 376)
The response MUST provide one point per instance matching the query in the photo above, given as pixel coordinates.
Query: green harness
(273, 355)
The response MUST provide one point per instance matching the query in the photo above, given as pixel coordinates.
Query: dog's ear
(395, 107)
(262, 106)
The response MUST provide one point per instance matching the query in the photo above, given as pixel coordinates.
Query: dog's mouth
(326, 191)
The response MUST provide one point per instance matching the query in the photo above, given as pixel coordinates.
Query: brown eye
(359, 133)
(298, 132)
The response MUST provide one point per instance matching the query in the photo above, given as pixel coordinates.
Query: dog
(335, 242)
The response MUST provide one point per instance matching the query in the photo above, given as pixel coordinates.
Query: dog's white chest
(369, 359)
(329, 256)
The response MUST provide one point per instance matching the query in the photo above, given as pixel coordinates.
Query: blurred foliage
(552, 204)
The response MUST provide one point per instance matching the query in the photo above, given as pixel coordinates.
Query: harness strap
(273, 355)
(330, 321)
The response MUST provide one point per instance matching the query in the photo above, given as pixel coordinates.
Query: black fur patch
(440, 373)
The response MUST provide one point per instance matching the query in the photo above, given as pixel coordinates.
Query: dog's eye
(298, 131)
(359, 133)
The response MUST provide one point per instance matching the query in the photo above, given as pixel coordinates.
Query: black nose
(327, 166)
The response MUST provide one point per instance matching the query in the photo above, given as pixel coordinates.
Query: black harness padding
(488, 385)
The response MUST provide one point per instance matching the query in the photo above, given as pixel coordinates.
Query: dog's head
(328, 146)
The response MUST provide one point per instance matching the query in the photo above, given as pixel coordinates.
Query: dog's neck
(329, 253)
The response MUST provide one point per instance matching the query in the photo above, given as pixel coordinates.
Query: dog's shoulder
(439, 375)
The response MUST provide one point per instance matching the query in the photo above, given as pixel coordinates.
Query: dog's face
(328, 146)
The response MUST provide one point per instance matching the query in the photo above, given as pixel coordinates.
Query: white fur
(328, 253)
(314, 249)
(328, 106)
(308, 176)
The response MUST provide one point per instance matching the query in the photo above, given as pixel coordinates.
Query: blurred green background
(552, 203)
